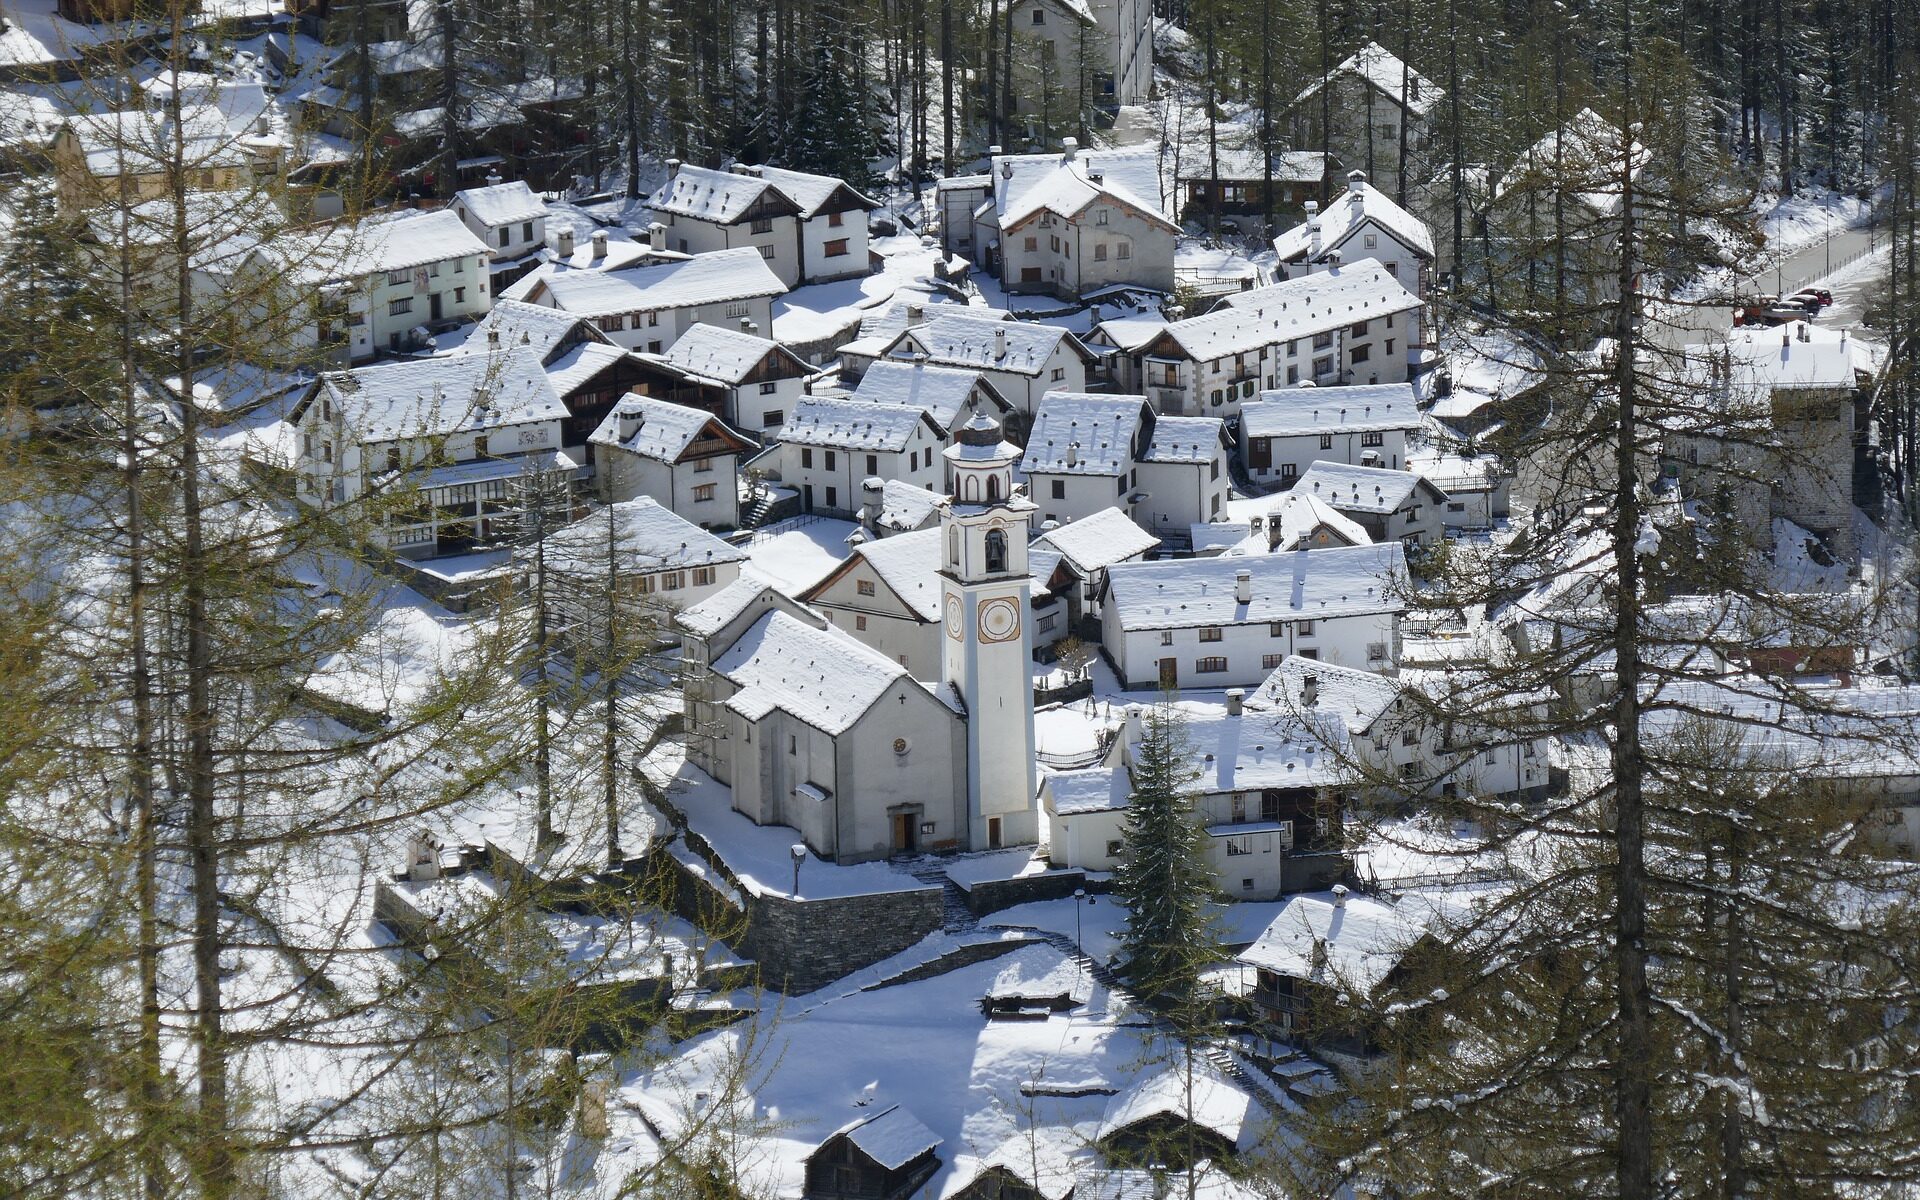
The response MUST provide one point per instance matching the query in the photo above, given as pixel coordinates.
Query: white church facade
(811, 729)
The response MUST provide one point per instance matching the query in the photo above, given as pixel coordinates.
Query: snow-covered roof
(1248, 162)
(385, 243)
(1302, 585)
(1344, 216)
(1254, 751)
(241, 101)
(1293, 412)
(531, 325)
(1584, 157)
(1354, 946)
(706, 194)
(1193, 440)
(1091, 789)
(1362, 489)
(986, 343)
(1293, 308)
(1131, 333)
(647, 536)
(1063, 183)
(716, 352)
(141, 142)
(1081, 433)
(1350, 698)
(1038, 973)
(1096, 542)
(1299, 514)
(578, 365)
(909, 564)
(736, 274)
(1810, 729)
(853, 424)
(664, 432)
(432, 397)
(943, 392)
(1767, 359)
(713, 614)
(1384, 70)
(502, 203)
(906, 507)
(1038, 1158)
(892, 1138)
(821, 676)
(1211, 1102)
(812, 192)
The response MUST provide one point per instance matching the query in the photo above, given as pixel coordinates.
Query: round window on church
(900, 745)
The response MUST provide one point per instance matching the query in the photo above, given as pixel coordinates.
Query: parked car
(1819, 296)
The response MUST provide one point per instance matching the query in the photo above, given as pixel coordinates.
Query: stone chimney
(673, 167)
(1309, 691)
(656, 236)
(630, 421)
(1000, 341)
(872, 489)
(493, 179)
(563, 241)
(1236, 701)
(599, 244)
(1356, 188)
(915, 315)
(1319, 954)
(995, 151)
(1313, 230)
(423, 857)
(1073, 454)
(1339, 895)
(1243, 586)
(1069, 148)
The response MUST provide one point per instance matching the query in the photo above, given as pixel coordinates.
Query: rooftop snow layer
(665, 430)
(1349, 488)
(1344, 216)
(723, 275)
(943, 392)
(986, 343)
(1100, 540)
(647, 536)
(716, 352)
(502, 203)
(1081, 433)
(821, 676)
(852, 424)
(1294, 412)
(1301, 585)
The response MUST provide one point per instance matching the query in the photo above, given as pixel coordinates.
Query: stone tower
(987, 643)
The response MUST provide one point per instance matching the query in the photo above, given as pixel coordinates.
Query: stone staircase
(956, 916)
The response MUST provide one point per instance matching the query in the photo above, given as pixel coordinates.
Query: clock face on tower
(954, 618)
(999, 620)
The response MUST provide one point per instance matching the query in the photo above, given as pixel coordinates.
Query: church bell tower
(987, 639)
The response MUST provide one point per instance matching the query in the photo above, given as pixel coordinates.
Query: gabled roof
(1302, 411)
(1211, 1102)
(665, 429)
(723, 197)
(713, 614)
(892, 1138)
(433, 397)
(1303, 585)
(1354, 946)
(737, 274)
(140, 142)
(820, 676)
(576, 367)
(1037, 1158)
(1080, 433)
(986, 343)
(1248, 163)
(1374, 490)
(536, 327)
(1299, 514)
(1293, 308)
(1096, 542)
(1383, 70)
(853, 424)
(1344, 216)
(1193, 440)
(1063, 183)
(906, 507)
(944, 392)
(815, 194)
(385, 243)
(1091, 789)
(502, 203)
(1584, 157)
(1254, 751)
(728, 355)
(907, 564)
(647, 536)
(1344, 698)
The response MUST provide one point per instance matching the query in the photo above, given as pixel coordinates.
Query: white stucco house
(807, 228)
(652, 306)
(1284, 432)
(1090, 452)
(1362, 222)
(1390, 505)
(510, 218)
(764, 379)
(829, 446)
(686, 459)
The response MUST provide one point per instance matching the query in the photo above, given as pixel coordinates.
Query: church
(811, 729)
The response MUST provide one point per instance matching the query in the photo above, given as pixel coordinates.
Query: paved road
(1685, 325)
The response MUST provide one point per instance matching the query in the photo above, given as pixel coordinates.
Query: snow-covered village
(986, 600)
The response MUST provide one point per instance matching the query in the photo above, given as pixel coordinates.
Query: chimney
(1006, 168)
(493, 179)
(1339, 895)
(1356, 187)
(1073, 454)
(747, 325)
(673, 167)
(1309, 691)
(493, 337)
(1786, 338)
(1243, 586)
(994, 151)
(915, 315)
(1805, 335)
(599, 244)
(423, 857)
(630, 421)
(263, 125)
(1000, 341)
(656, 236)
(1313, 231)
(1236, 701)
(872, 488)
(1319, 954)
(563, 241)
(1069, 148)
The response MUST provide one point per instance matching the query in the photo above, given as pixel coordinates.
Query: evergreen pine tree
(1163, 877)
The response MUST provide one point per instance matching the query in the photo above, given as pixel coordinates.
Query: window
(1389, 348)
(1288, 471)
(459, 295)
(1308, 653)
(833, 497)
(1375, 438)
(1326, 441)
(1409, 737)
(1212, 665)
(506, 235)
(793, 744)
(1114, 849)
(1166, 637)
(1270, 662)
(1059, 373)
(860, 622)
(1322, 340)
(526, 231)
(1293, 375)
(400, 307)
(1304, 629)
(1123, 250)
(1239, 846)
(830, 460)
(1323, 366)
(1121, 487)
(704, 492)
(1058, 489)
(613, 322)
(1053, 243)
(836, 220)
(1216, 397)
(653, 318)
(762, 225)
(1370, 241)
(1213, 470)
(806, 456)
(1362, 353)
(735, 308)
(480, 447)
(837, 248)
(1376, 651)
(1100, 218)
(1048, 622)
(773, 417)
(1276, 629)
(1359, 329)
(766, 252)
(1039, 17)
(1389, 131)
(863, 586)
(1099, 252)
(396, 278)
(1033, 243)
(1210, 633)
(873, 464)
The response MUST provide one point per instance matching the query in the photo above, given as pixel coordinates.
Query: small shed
(886, 1156)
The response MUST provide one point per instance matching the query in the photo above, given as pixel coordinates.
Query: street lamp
(1079, 894)
(799, 853)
